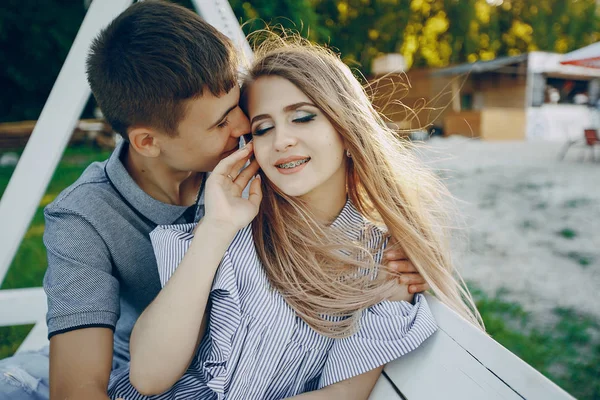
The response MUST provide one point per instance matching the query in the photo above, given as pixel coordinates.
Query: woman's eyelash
(259, 132)
(306, 118)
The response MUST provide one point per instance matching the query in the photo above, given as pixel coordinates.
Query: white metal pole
(219, 14)
(51, 134)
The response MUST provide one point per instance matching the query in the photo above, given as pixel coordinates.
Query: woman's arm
(166, 335)
(358, 387)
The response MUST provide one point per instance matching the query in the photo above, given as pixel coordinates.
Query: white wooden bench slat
(440, 367)
(521, 377)
(461, 362)
(37, 337)
(22, 306)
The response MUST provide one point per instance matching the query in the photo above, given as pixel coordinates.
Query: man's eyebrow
(291, 107)
(223, 116)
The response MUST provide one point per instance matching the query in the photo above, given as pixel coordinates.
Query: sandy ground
(532, 221)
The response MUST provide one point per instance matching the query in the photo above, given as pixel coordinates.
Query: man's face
(209, 132)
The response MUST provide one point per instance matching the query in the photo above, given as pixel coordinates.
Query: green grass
(568, 351)
(29, 264)
(567, 233)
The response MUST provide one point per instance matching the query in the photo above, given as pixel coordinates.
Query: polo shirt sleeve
(81, 290)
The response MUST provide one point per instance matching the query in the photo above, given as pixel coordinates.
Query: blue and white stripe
(256, 347)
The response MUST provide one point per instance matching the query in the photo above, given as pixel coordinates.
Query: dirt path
(533, 222)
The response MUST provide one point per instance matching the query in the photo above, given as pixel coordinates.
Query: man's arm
(80, 364)
(358, 387)
(83, 305)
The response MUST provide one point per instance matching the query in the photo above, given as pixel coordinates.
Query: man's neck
(161, 182)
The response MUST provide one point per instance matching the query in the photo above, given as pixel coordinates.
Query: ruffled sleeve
(170, 243)
(387, 331)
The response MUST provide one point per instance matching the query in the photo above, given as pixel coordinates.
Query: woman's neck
(326, 205)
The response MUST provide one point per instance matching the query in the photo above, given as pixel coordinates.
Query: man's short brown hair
(152, 58)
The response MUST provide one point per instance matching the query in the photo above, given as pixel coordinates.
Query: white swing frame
(457, 362)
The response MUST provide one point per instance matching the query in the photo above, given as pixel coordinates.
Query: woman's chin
(294, 190)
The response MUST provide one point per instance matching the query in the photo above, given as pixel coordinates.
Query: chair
(589, 140)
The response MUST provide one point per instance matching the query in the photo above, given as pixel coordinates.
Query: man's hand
(395, 258)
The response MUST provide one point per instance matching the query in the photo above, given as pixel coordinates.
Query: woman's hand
(224, 203)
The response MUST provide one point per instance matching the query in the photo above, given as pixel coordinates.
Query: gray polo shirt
(101, 266)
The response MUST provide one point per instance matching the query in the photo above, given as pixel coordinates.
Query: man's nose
(242, 125)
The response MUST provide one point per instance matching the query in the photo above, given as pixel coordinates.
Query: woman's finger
(246, 174)
(255, 196)
(225, 166)
(237, 167)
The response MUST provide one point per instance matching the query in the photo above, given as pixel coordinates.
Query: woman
(299, 301)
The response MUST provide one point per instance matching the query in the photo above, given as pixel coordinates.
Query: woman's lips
(288, 171)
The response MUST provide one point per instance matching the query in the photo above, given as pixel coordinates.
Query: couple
(279, 294)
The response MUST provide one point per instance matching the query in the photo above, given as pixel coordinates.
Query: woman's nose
(283, 140)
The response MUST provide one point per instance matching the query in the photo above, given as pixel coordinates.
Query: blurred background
(502, 98)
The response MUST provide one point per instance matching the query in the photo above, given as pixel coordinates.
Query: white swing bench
(457, 362)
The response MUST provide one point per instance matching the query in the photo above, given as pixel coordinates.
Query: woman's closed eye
(298, 117)
(301, 116)
(261, 129)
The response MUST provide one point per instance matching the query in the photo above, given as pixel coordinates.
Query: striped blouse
(256, 347)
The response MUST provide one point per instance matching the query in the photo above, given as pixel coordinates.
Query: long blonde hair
(314, 266)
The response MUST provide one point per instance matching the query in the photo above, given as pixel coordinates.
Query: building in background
(532, 96)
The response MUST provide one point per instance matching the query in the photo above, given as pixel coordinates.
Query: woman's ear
(144, 141)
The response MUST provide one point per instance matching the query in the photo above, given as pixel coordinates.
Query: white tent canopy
(588, 56)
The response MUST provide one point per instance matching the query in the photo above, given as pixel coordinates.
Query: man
(167, 83)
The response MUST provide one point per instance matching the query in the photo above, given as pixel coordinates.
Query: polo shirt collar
(156, 211)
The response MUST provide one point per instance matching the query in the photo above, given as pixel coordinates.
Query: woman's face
(296, 146)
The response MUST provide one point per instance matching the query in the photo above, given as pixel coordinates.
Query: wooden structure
(15, 135)
(533, 96)
(457, 362)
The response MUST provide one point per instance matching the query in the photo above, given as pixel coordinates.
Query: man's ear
(144, 141)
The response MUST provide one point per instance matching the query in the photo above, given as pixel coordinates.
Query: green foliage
(36, 36)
